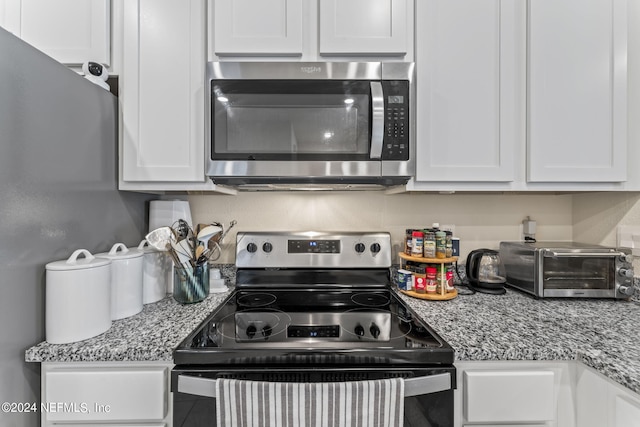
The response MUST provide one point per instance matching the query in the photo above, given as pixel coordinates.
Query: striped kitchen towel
(378, 403)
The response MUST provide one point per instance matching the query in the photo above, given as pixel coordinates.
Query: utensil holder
(190, 284)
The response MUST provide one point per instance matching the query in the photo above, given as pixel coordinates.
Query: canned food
(405, 280)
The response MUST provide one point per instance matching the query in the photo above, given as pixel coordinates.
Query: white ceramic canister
(156, 273)
(126, 280)
(77, 298)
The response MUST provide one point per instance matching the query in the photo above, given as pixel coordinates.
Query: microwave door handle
(377, 120)
(418, 386)
(554, 254)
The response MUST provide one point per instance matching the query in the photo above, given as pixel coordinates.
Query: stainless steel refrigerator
(58, 192)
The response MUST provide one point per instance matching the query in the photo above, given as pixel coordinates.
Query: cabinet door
(509, 396)
(626, 411)
(470, 89)
(162, 91)
(577, 91)
(89, 393)
(377, 27)
(70, 31)
(258, 27)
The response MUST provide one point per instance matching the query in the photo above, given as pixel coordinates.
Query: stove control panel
(313, 249)
(278, 327)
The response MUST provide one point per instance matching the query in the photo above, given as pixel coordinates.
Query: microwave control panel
(396, 120)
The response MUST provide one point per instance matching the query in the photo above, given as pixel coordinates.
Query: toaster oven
(568, 269)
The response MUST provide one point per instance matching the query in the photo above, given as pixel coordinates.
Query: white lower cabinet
(122, 394)
(526, 394)
(601, 402)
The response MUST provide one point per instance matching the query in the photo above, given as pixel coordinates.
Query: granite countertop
(150, 335)
(603, 334)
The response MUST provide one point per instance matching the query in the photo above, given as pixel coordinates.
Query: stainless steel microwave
(568, 269)
(325, 123)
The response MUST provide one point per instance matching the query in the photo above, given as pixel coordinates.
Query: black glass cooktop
(344, 327)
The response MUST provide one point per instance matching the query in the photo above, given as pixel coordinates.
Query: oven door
(428, 392)
(594, 274)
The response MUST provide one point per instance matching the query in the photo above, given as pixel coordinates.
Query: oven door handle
(206, 387)
(377, 120)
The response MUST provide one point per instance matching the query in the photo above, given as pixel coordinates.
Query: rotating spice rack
(443, 295)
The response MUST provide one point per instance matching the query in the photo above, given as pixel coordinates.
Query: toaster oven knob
(267, 247)
(359, 331)
(252, 247)
(375, 331)
(626, 290)
(360, 247)
(625, 272)
(251, 331)
(626, 258)
(375, 248)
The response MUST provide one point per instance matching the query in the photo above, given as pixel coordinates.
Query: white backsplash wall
(481, 220)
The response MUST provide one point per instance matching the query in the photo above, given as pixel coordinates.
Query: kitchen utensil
(78, 298)
(485, 271)
(208, 232)
(126, 280)
(231, 225)
(161, 238)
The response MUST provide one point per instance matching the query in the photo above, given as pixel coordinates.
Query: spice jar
(441, 244)
(417, 242)
(431, 280)
(429, 249)
(448, 244)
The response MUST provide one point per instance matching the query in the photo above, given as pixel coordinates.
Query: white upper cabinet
(162, 91)
(258, 27)
(363, 27)
(70, 31)
(577, 91)
(469, 89)
(312, 30)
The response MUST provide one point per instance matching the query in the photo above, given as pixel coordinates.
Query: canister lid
(120, 251)
(75, 263)
(146, 248)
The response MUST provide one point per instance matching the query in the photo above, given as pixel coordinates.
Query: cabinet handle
(417, 386)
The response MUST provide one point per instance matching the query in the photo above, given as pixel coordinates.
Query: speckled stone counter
(602, 334)
(147, 336)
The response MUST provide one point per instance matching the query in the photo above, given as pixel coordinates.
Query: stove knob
(359, 330)
(375, 248)
(375, 331)
(252, 247)
(266, 331)
(360, 247)
(251, 331)
(267, 247)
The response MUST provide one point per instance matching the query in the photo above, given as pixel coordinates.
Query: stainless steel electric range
(313, 307)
